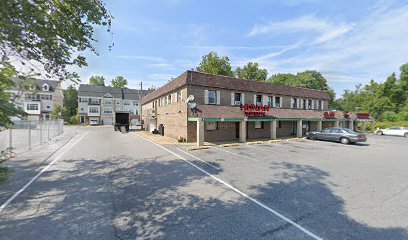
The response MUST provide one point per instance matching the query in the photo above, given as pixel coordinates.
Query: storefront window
(212, 97)
(211, 126)
(258, 125)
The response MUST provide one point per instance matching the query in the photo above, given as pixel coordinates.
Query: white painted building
(37, 97)
(100, 103)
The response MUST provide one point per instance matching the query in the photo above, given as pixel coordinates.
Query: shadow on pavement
(121, 198)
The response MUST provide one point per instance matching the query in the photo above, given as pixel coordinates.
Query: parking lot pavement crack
(275, 230)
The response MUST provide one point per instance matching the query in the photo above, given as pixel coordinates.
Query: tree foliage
(119, 82)
(50, 33)
(307, 79)
(212, 63)
(251, 71)
(70, 102)
(386, 101)
(7, 107)
(97, 81)
(45, 37)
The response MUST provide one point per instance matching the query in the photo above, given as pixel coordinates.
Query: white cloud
(160, 65)
(326, 30)
(373, 47)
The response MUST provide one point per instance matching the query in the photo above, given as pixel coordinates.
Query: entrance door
(237, 129)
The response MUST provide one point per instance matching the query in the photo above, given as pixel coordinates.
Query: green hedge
(387, 124)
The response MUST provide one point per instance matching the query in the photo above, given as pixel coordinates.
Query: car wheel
(380, 133)
(406, 135)
(344, 140)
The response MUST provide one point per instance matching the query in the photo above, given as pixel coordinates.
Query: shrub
(389, 116)
(403, 116)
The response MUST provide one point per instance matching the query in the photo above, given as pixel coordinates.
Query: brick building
(228, 109)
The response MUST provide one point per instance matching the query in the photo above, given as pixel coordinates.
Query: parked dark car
(342, 135)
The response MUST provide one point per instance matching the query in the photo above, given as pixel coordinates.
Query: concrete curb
(257, 142)
(197, 148)
(230, 145)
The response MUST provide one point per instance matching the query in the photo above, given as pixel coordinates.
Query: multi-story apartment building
(100, 103)
(203, 107)
(40, 98)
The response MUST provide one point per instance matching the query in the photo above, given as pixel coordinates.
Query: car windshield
(348, 130)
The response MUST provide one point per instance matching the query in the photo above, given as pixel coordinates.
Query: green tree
(212, 63)
(70, 102)
(97, 81)
(119, 82)
(307, 79)
(7, 107)
(251, 71)
(59, 112)
(48, 37)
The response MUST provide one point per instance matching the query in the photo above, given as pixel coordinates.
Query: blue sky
(349, 42)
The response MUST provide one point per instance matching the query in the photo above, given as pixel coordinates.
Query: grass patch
(4, 172)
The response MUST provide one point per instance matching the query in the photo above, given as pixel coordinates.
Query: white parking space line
(279, 215)
(40, 173)
(291, 146)
(269, 150)
(252, 159)
(315, 144)
(199, 159)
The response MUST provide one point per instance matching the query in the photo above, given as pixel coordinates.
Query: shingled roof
(36, 83)
(86, 90)
(224, 82)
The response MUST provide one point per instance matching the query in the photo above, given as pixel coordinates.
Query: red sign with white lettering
(329, 114)
(363, 115)
(254, 110)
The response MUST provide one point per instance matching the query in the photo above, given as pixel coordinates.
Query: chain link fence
(25, 134)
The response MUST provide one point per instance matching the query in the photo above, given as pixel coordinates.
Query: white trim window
(278, 102)
(107, 110)
(32, 106)
(93, 109)
(293, 103)
(211, 126)
(309, 104)
(45, 87)
(83, 100)
(237, 99)
(270, 101)
(179, 96)
(107, 101)
(135, 103)
(258, 100)
(126, 103)
(94, 101)
(212, 97)
(320, 105)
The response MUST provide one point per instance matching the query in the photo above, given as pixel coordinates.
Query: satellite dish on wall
(190, 98)
(192, 105)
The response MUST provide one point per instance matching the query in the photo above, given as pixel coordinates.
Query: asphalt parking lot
(334, 191)
(102, 184)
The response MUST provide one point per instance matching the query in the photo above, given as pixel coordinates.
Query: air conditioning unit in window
(237, 103)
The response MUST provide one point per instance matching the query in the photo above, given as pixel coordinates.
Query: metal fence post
(40, 122)
(29, 135)
(48, 130)
(10, 138)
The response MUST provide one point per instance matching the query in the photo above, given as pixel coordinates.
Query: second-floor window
(135, 103)
(107, 101)
(320, 105)
(179, 99)
(107, 110)
(294, 102)
(126, 103)
(94, 101)
(83, 100)
(270, 101)
(277, 102)
(237, 99)
(32, 106)
(93, 109)
(304, 103)
(212, 97)
(258, 100)
(169, 99)
(309, 104)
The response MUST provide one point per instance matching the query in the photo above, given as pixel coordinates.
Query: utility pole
(140, 103)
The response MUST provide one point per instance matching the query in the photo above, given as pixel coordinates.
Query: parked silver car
(342, 135)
